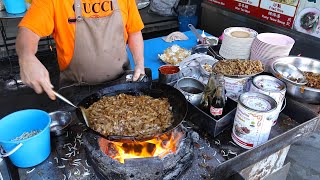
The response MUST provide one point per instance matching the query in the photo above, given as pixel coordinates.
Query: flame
(157, 147)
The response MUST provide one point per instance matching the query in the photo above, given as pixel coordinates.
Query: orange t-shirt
(57, 17)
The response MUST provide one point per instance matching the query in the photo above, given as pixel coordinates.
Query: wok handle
(3, 154)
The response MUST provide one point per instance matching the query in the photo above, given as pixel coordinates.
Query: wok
(157, 90)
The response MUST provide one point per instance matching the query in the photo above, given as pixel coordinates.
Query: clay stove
(164, 157)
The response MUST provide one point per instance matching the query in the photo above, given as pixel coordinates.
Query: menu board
(280, 12)
(307, 17)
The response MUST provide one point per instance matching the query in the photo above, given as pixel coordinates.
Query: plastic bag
(187, 10)
(164, 7)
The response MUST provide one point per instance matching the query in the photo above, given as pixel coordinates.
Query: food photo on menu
(307, 18)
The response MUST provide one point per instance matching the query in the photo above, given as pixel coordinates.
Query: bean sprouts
(26, 135)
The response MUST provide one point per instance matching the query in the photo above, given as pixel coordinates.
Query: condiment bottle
(218, 101)
(204, 41)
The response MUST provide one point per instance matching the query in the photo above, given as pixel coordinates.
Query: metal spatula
(83, 110)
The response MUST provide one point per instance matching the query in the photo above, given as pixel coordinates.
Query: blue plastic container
(35, 149)
(185, 20)
(15, 6)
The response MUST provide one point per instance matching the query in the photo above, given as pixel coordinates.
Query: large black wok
(153, 89)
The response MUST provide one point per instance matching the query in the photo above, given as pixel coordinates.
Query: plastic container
(33, 150)
(15, 6)
(185, 20)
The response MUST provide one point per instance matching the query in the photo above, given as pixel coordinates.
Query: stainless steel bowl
(200, 49)
(206, 62)
(168, 74)
(59, 121)
(289, 72)
(191, 88)
(300, 92)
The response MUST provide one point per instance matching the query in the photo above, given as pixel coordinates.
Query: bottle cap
(203, 35)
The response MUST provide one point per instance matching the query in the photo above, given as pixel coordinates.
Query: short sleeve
(134, 23)
(39, 18)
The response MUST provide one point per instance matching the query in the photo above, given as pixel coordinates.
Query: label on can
(216, 111)
(252, 122)
(235, 87)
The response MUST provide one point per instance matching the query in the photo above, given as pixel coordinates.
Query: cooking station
(201, 149)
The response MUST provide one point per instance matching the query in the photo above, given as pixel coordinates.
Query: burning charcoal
(206, 156)
(151, 148)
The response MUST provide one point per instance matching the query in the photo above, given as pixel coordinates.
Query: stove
(170, 164)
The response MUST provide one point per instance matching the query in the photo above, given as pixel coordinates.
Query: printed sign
(220, 2)
(280, 12)
(307, 18)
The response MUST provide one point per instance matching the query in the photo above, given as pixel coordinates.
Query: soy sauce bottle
(218, 100)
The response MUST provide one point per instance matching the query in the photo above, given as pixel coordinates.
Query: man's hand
(32, 71)
(135, 43)
(138, 70)
(35, 75)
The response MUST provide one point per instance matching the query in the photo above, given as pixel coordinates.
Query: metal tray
(213, 126)
(296, 121)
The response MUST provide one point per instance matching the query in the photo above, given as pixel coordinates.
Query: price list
(274, 11)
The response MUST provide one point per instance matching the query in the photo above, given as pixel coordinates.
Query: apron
(100, 50)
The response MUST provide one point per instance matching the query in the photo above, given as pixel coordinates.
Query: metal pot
(168, 74)
(191, 88)
(300, 92)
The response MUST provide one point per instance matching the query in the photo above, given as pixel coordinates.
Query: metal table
(7, 16)
(10, 41)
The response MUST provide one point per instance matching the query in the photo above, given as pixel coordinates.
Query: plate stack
(267, 46)
(236, 43)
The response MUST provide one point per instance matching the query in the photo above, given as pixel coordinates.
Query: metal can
(270, 86)
(252, 122)
(235, 86)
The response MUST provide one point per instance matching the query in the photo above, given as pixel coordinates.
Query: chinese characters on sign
(275, 11)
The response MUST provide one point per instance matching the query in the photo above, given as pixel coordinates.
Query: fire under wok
(176, 99)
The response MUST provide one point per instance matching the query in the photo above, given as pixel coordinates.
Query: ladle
(83, 111)
(211, 42)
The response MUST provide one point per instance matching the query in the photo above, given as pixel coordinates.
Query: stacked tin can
(257, 111)
(272, 87)
(252, 122)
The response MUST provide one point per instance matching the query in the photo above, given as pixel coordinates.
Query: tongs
(82, 109)
(213, 52)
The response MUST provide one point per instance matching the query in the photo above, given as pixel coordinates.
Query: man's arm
(135, 43)
(32, 71)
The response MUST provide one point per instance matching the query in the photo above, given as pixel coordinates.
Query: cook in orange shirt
(90, 36)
